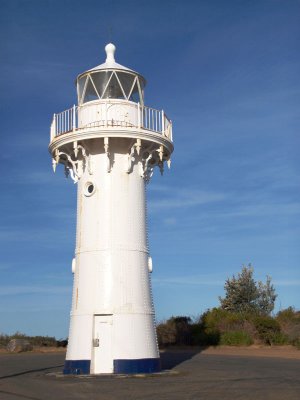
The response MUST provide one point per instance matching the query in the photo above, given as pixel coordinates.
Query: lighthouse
(109, 144)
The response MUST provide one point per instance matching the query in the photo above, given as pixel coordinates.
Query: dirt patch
(39, 349)
(255, 351)
(251, 351)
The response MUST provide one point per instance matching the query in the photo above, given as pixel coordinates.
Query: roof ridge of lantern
(110, 63)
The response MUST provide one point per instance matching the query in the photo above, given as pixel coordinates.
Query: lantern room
(110, 80)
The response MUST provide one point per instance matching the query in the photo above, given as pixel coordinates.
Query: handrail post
(106, 114)
(162, 122)
(52, 129)
(74, 118)
(139, 115)
(55, 125)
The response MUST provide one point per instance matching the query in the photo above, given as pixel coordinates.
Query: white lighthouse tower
(110, 144)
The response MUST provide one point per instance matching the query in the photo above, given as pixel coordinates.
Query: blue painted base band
(139, 366)
(77, 367)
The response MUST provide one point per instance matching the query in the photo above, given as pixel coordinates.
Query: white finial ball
(110, 52)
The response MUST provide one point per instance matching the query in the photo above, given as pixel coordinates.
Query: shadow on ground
(170, 358)
(30, 371)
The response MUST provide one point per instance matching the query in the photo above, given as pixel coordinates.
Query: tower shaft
(111, 292)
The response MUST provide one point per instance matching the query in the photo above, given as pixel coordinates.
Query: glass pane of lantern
(135, 96)
(80, 87)
(113, 90)
(100, 80)
(90, 93)
(126, 81)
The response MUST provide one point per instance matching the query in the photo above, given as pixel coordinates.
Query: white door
(102, 354)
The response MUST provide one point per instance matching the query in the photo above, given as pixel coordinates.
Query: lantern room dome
(110, 80)
(110, 61)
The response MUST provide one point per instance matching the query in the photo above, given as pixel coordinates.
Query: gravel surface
(196, 374)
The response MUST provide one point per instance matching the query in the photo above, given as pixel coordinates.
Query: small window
(89, 189)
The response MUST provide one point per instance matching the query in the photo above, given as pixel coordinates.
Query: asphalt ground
(192, 376)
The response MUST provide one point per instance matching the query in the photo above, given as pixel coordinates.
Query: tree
(183, 329)
(166, 333)
(244, 294)
(267, 296)
(176, 330)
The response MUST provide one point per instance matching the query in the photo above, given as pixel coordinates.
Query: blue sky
(227, 74)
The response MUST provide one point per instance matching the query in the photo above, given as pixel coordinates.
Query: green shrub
(296, 343)
(4, 339)
(176, 330)
(219, 326)
(221, 320)
(34, 340)
(202, 337)
(236, 338)
(288, 315)
(279, 338)
(213, 323)
(46, 341)
(268, 329)
(166, 333)
(183, 330)
(289, 320)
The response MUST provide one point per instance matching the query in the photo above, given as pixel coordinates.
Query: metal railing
(152, 119)
(147, 118)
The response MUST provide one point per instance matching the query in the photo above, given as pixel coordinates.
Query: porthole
(89, 189)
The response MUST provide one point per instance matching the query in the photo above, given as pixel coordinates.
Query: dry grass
(39, 349)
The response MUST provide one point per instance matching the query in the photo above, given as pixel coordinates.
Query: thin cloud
(40, 177)
(197, 280)
(266, 209)
(170, 221)
(185, 198)
(46, 236)
(4, 267)
(158, 188)
(44, 68)
(203, 281)
(295, 282)
(25, 289)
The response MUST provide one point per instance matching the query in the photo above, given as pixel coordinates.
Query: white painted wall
(111, 273)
